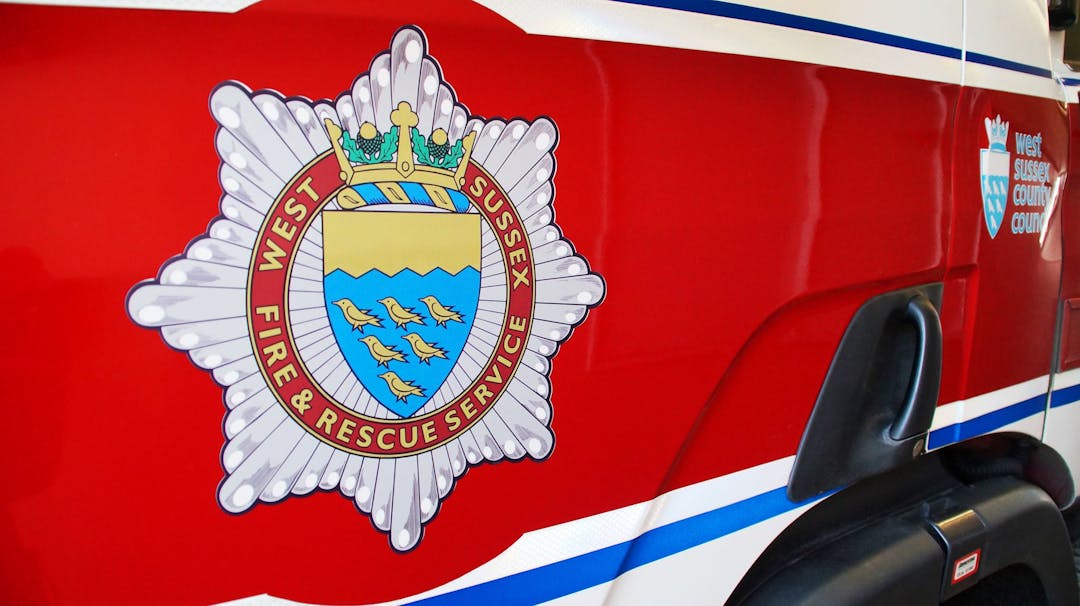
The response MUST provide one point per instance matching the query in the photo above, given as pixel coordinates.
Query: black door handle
(920, 402)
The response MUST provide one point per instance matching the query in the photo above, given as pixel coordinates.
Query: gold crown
(404, 167)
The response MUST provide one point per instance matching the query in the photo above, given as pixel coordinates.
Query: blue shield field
(994, 177)
(401, 292)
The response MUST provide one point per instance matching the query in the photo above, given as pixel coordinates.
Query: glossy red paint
(757, 207)
(1005, 339)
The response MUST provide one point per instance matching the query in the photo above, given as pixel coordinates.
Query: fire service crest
(381, 295)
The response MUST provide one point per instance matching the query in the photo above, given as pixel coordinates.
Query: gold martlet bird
(400, 388)
(382, 353)
(441, 313)
(358, 318)
(424, 351)
(399, 314)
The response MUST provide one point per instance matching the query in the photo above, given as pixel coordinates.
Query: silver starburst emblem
(381, 295)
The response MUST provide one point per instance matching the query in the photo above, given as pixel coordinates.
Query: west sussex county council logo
(382, 294)
(994, 174)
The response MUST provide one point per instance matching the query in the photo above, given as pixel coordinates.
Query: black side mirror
(1062, 14)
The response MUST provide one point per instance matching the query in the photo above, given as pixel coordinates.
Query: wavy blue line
(407, 270)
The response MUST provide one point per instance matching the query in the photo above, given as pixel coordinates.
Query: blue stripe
(588, 570)
(1065, 395)
(1002, 417)
(717, 8)
(987, 422)
(1071, 81)
(1009, 65)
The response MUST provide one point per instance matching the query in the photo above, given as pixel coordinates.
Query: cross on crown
(402, 154)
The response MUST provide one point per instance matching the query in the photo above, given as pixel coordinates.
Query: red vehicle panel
(740, 210)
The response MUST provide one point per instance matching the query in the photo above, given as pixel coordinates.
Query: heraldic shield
(401, 286)
(994, 174)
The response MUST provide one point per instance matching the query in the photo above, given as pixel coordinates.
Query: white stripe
(1063, 425)
(1016, 30)
(965, 410)
(1020, 35)
(1070, 92)
(619, 22)
(995, 78)
(557, 543)
(707, 573)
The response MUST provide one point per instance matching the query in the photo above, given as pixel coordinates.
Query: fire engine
(519, 301)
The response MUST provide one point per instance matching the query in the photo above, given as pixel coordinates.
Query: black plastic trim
(917, 411)
(878, 398)
(895, 563)
(907, 558)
